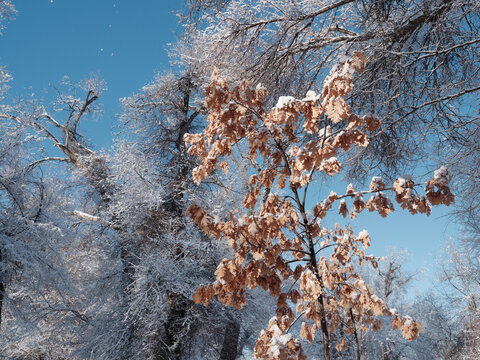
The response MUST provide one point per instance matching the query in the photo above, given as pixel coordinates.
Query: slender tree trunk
(2, 289)
(175, 207)
(243, 341)
(324, 328)
(230, 341)
(313, 261)
(385, 352)
(355, 335)
(364, 352)
(171, 348)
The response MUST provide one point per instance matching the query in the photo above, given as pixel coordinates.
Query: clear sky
(124, 41)
(423, 237)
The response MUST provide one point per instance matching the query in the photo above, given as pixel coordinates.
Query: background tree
(7, 12)
(391, 283)
(129, 212)
(36, 293)
(460, 276)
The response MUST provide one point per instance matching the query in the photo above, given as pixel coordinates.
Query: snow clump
(285, 102)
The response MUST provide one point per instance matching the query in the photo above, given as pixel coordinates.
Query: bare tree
(135, 199)
(7, 12)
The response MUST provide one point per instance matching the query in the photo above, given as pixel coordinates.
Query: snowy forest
(225, 222)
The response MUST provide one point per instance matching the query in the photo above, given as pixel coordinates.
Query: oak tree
(278, 227)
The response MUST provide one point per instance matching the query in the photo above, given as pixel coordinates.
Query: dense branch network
(420, 79)
(288, 145)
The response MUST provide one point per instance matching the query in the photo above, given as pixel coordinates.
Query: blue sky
(125, 41)
(423, 237)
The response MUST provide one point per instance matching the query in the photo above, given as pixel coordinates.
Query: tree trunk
(325, 335)
(2, 289)
(385, 352)
(171, 347)
(230, 341)
(243, 341)
(355, 334)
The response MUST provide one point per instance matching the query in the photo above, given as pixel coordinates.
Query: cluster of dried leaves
(287, 145)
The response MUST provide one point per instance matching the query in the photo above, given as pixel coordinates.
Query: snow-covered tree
(36, 294)
(133, 201)
(7, 12)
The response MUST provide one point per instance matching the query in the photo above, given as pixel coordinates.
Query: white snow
(402, 180)
(331, 160)
(311, 96)
(325, 131)
(441, 173)
(285, 102)
(260, 86)
(219, 89)
(293, 151)
(86, 216)
(363, 233)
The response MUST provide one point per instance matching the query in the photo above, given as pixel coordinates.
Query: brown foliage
(293, 141)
